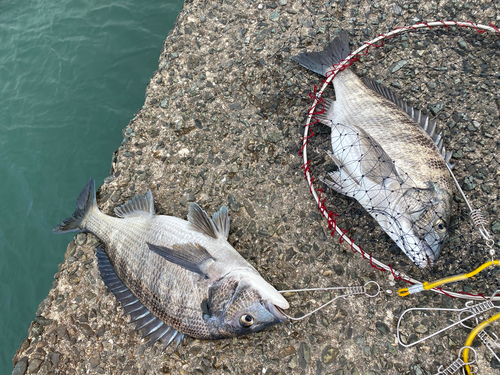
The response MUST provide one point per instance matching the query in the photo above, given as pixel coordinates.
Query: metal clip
(472, 310)
(457, 364)
(489, 342)
(477, 218)
(349, 291)
(486, 339)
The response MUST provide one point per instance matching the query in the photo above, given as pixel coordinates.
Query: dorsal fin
(426, 122)
(221, 221)
(447, 157)
(387, 93)
(201, 222)
(137, 206)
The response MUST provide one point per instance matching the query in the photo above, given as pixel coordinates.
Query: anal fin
(327, 112)
(146, 321)
(340, 181)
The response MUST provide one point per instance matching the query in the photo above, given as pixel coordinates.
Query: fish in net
(465, 104)
(388, 157)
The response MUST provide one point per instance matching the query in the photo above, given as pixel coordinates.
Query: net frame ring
(470, 348)
(458, 362)
(366, 286)
(330, 75)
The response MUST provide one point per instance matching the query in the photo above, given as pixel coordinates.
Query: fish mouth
(428, 255)
(422, 256)
(422, 248)
(431, 248)
(430, 261)
(275, 310)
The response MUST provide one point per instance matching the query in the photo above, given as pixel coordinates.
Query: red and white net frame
(316, 98)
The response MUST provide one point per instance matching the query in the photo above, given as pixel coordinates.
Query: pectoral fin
(190, 256)
(361, 156)
(376, 164)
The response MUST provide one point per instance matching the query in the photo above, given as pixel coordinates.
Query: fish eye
(440, 226)
(246, 320)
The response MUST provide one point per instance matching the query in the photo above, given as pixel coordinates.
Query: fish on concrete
(176, 277)
(389, 157)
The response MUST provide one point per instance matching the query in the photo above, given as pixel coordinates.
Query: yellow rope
(472, 335)
(426, 286)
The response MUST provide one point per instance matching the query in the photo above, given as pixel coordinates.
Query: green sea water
(72, 75)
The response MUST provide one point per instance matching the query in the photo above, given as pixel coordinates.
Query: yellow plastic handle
(403, 292)
(472, 335)
(426, 286)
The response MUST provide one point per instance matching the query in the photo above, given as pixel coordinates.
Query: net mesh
(461, 90)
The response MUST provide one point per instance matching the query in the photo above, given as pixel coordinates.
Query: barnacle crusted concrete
(222, 124)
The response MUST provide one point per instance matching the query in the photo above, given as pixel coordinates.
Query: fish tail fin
(322, 62)
(85, 204)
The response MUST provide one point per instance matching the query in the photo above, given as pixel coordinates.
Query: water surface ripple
(72, 75)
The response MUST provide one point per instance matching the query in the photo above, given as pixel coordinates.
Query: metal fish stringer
(470, 310)
(349, 291)
(483, 336)
(490, 342)
(477, 218)
(456, 365)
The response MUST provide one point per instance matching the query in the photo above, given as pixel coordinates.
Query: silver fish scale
(398, 134)
(176, 277)
(385, 158)
(391, 166)
(170, 292)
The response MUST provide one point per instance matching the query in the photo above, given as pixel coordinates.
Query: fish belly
(170, 292)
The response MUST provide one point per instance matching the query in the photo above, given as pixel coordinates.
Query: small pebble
(421, 328)
(81, 238)
(275, 15)
(382, 327)
(328, 354)
(21, 366)
(399, 65)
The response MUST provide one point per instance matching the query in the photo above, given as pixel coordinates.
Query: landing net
(469, 126)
